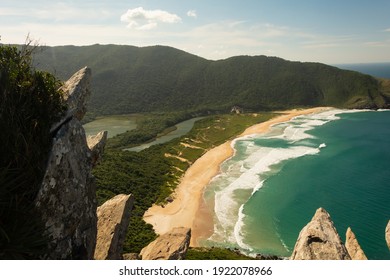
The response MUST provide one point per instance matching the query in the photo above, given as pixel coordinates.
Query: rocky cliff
(319, 240)
(67, 199)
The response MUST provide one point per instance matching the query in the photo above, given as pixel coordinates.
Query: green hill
(129, 79)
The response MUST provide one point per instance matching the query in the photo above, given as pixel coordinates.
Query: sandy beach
(187, 208)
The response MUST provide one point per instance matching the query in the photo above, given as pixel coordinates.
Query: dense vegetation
(152, 174)
(30, 103)
(141, 174)
(162, 79)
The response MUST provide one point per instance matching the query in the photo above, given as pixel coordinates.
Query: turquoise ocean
(270, 189)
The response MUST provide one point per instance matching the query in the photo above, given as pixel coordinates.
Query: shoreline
(188, 208)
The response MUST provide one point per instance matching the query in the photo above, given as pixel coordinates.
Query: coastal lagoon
(181, 129)
(270, 189)
(114, 124)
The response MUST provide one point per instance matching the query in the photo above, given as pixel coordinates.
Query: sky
(327, 31)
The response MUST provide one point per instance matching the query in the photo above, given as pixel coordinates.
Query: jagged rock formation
(77, 92)
(169, 246)
(319, 240)
(353, 247)
(113, 221)
(387, 234)
(96, 144)
(67, 199)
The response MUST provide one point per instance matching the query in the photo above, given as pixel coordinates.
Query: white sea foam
(246, 172)
(232, 194)
(238, 233)
(297, 128)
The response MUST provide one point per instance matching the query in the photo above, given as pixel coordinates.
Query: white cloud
(192, 13)
(142, 19)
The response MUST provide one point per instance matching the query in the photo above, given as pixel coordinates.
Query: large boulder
(113, 221)
(319, 240)
(172, 245)
(353, 247)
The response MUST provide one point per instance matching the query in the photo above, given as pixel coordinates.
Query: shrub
(30, 102)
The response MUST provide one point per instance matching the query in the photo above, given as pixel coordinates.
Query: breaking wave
(257, 158)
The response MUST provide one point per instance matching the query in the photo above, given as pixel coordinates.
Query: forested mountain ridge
(129, 79)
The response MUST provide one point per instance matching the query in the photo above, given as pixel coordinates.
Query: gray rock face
(387, 234)
(77, 92)
(170, 246)
(353, 247)
(67, 198)
(96, 144)
(113, 221)
(319, 240)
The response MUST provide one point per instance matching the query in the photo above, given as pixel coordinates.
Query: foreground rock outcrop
(387, 234)
(169, 246)
(113, 221)
(96, 144)
(319, 240)
(67, 197)
(353, 247)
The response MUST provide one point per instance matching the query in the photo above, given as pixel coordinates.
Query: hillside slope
(129, 79)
